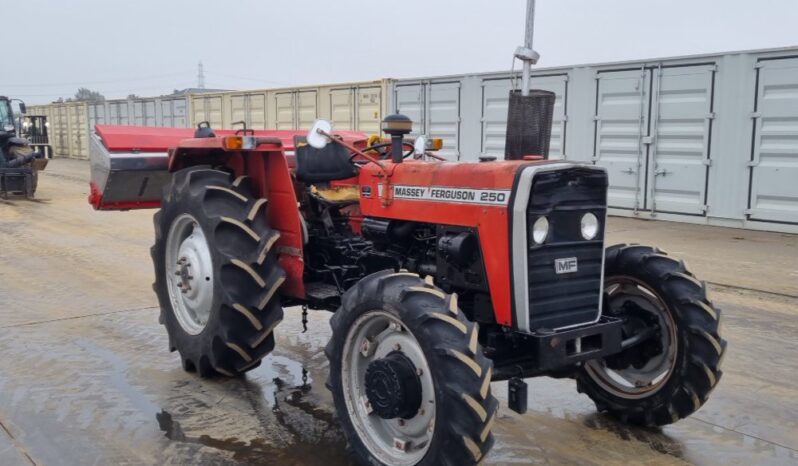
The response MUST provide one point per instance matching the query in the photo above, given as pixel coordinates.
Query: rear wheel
(216, 272)
(672, 361)
(407, 374)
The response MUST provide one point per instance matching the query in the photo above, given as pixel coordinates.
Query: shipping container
(351, 106)
(67, 128)
(71, 123)
(704, 139)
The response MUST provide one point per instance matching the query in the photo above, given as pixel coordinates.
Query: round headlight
(540, 230)
(589, 226)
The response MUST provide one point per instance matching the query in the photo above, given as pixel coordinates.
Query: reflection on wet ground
(86, 377)
(104, 389)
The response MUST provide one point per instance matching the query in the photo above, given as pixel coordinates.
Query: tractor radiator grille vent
(572, 296)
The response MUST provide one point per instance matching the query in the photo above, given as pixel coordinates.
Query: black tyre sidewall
(227, 213)
(191, 346)
(676, 288)
(446, 446)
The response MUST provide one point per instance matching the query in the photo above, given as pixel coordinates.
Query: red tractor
(442, 276)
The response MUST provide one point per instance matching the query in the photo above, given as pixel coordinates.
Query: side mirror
(23, 108)
(420, 146)
(315, 137)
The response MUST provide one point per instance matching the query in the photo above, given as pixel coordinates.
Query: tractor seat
(323, 165)
(337, 194)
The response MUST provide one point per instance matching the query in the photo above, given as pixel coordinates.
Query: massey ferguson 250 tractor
(442, 276)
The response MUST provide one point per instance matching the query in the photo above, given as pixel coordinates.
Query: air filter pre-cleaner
(529, 120)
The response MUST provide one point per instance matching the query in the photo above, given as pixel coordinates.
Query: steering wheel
(384, 154)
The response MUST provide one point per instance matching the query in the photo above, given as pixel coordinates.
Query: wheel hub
(184, 273)
(189, 274)
(393, 387)
(645, 367)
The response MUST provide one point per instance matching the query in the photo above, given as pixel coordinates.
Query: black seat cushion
(321, 165)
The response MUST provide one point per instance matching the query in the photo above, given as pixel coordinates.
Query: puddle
(281, 396)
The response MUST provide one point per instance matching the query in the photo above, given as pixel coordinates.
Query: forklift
(20, 161)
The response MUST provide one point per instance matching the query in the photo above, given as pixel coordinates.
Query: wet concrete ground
(86, 378)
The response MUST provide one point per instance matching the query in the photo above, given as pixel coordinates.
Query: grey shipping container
(704, 139)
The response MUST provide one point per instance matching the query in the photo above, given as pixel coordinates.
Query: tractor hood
(495, 200)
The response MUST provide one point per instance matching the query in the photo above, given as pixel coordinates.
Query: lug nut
(401, 422)
(397, 347)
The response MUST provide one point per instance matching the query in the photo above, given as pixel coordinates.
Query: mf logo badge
(565, 265)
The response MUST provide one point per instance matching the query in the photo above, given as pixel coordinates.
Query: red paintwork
(491, 221)
(270, 170)
(155, 139)
(96, 201)
(270, 178)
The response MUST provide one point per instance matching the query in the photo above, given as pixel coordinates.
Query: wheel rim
(374, 337)
(638, 382)
(189, 274)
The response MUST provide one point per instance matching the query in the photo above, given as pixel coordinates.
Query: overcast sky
(150, 47)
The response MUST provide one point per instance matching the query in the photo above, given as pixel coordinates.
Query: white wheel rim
(189, 274)
(373, 336)
(636, 383)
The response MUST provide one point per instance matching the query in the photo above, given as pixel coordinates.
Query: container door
(138, 113)
(306, 109)
(680, 126)
(180, 113)
(198, 110)
(443, 117)
(96, 115)
(149, 113)
(622, 103)
(77, 130)
(774, 162)
(167, 119)
(409, 101)
(117, 113)
(341, 108)
(62, 131)
(257, 111)
(284, 102)
(238, 109)
(495, 100)
(494, 116)
(113, 113)
(369, 110)
(213, 107)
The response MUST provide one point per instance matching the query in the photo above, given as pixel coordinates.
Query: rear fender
(270, 178)
(266, 167)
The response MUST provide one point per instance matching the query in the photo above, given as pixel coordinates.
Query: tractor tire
(402, 356)
(670, 375)
(216, 272)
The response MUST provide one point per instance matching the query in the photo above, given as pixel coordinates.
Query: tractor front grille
(560, 300)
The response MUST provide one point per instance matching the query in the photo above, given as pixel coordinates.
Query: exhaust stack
(530, 111)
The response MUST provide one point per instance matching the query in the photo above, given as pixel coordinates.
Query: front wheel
(408, 377)
(671, 332)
